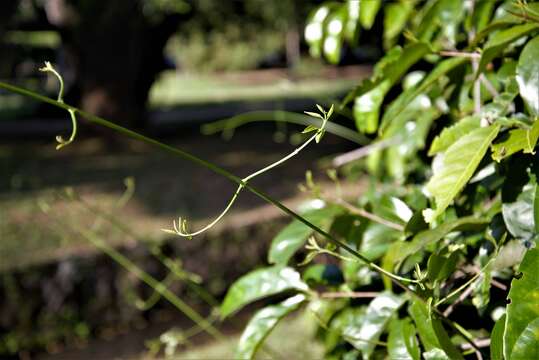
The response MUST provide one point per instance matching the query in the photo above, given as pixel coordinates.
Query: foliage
(453, 194)
(453, 206)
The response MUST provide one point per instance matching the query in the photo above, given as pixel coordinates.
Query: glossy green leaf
(374, 322)
(405, 99)
(293, 236)
(500, 40)
(367, 12)
(262, 323)
(528, 75)
(402, 342)
(516, 140)
(524, 297)
(259, 284)
(527, 345)
(459, 164)
(443, 15)
(496, 339)
(451, 134)
(439, 267)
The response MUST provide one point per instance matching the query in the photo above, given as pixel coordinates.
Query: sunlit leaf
(334, 35)
(395, 17)
(262, 323)
(516, 140)
(528, 75)
(293, 236)
(259, 284)
(527, 345)
(523, 308)
(402, 342)
(500, 40)
(368, 11)
(451, 134)
(314, 30)
(459, 164)
(374, 322)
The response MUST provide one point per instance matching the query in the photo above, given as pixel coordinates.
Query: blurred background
(165, 68)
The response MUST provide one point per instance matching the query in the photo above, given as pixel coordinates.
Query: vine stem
(94, 119)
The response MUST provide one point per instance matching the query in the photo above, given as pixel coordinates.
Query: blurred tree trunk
(114, 53)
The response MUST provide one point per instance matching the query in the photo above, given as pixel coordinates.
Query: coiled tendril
(61, 141)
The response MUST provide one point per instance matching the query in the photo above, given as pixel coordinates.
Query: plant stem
(210, 166)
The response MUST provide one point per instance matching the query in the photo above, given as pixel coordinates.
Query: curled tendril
(180, 227)
(61, 141)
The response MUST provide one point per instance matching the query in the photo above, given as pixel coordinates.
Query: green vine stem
(181, 227)
(93, 119)
(96, 120)
(227, 126)
(61, 141)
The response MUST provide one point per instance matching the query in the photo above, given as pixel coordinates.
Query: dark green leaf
(439, 267)
(524, 295)
(376, 240)
(519, 213)
(262, 323)
(443, 339)
(528, 75)
(416, 224)
(258, 284)
(419, 313)
(293, 236)
(402, 341)
(501, 40)
(496, 339)
(459, 164)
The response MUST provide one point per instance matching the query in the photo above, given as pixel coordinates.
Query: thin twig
(460, 299)
(452, 53)
(477, 91)
(350, 294)
(364, 151)
(481, 343)
(498, 284)
(362, 212)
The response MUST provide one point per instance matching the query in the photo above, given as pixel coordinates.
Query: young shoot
(61, 141)
(180, 227)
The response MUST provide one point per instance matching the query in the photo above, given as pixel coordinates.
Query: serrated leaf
(262, 323)
(528, 75)
(496, 339)
(524, 305)
(527, 345)
(405, 99)
(516, 140)
(402, 342)
(374, 322)
(259, 284)
(293, 236)
(451, 134)
(459, 164)
(368, 11)
(499, 41)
